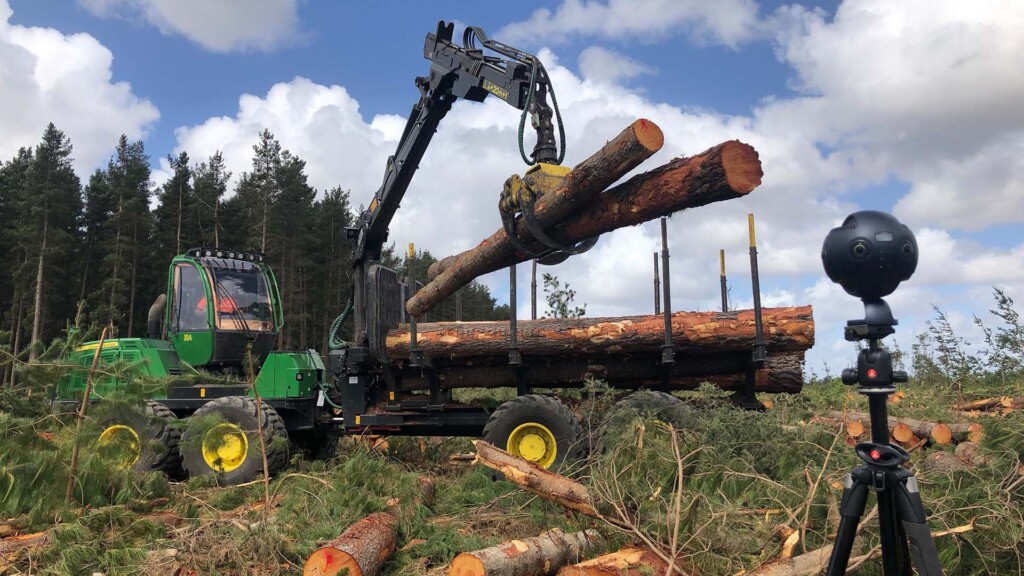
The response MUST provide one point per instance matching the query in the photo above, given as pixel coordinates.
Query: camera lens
(860, 250)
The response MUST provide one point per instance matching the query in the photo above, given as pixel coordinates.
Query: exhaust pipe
(156, 313)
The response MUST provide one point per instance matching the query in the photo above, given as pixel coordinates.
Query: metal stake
(667, 349)
(415, 354)
(721, 277)
(458, 306)
(657, 287)
(759, 347)
(513, 345)
(533, 292)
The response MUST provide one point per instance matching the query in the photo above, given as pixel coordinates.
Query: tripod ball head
(870, 254)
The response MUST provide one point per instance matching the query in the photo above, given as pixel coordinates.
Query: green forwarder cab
(221, 313)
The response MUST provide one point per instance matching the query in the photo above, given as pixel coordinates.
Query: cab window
(189, 306)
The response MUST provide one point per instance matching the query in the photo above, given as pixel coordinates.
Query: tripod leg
(851, 507)
(895, 556)
(915, 524)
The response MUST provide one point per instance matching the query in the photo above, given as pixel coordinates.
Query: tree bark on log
(361, 549)
(728, 170)
(626, 562)
(785, 329)
(638, 142)
(539, 556)
(783, 372)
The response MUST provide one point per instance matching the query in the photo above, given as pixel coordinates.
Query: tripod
(901, 518)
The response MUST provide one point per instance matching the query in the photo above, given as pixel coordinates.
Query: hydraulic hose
(333, 341)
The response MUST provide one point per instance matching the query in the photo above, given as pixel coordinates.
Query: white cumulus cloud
(218, 25)
(600, 64)
(728, 22)
(47, 76)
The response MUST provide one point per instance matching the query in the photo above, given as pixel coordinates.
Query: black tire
(545, 411)
(235, 422)
(151, 443)
(642, 404)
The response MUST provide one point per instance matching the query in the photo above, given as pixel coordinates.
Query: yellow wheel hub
(533, 442)
(225, 447)
(121, 442)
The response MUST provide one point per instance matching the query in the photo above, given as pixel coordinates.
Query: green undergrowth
(743, 474)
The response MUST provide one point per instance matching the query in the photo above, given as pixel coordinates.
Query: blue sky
(901, 106)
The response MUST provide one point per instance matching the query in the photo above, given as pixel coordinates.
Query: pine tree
(331, 258)
(48, 222)
(99, 207)
(174, 219)
(13, 186)
(210, 182)
(125, 236)
(257, 191)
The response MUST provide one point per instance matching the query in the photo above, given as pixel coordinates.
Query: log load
(728, 170)
(540, 556)
(785, 330)
(623, 351)
(630, 561)
(905, 430)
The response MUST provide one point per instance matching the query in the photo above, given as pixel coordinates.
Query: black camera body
(869, 255)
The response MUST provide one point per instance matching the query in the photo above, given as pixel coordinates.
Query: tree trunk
(37, 315)
(613, 161)
(783, 372)
(362, 549)
(16, 349)
(785, 329)
(729, 170)
(131, 291)
(629, 561)
(540, 556)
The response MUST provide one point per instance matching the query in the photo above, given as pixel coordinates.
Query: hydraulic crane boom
(456, 72)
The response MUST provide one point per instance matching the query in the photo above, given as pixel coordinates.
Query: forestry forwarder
(225, 312)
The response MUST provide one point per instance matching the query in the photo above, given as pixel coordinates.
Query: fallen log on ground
(544, 483)
(1004, 404)
(782, 372)
(903, 428)
(728, 170)
(539, 556)
(785, 330)
(629, 561)
(363, 547)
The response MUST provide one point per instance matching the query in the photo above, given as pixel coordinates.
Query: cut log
(362, 549)
(540, 556)
(638, 142)
(783, 372)
(785, 330)
(807, 564)
(626, 562)
(903, 428)
(546, 484)
(996, 404)
(726, 171)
